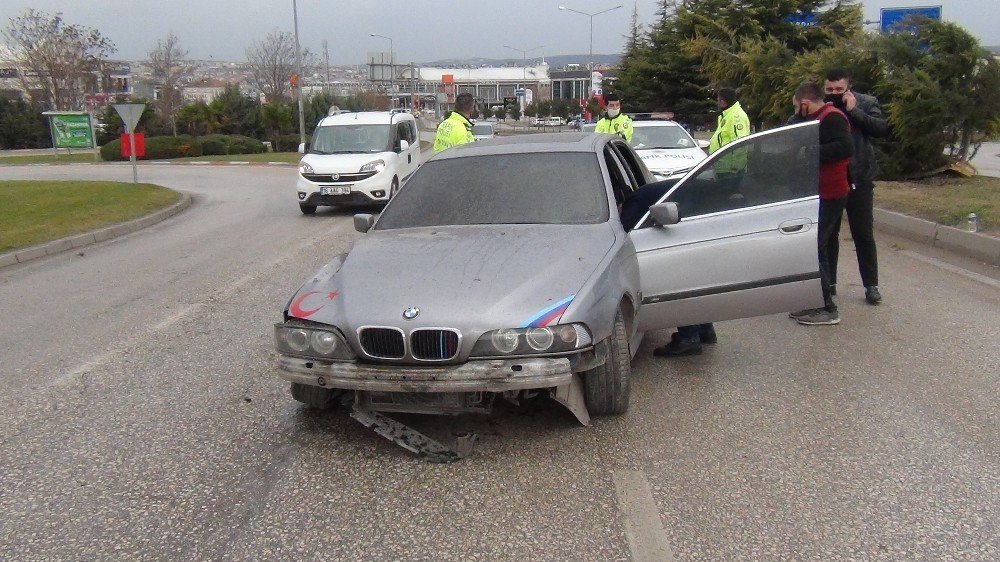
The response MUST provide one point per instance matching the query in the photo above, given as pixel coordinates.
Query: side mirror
(663, 213)
(302, 148)
(703, 143)
(403, 145)
(363, 222)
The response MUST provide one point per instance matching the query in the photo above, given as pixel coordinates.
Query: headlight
(305, 168)
(376, 166)
(532, 341)
(312, 342)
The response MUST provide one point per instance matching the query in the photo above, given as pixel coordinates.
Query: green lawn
(32, 212)
(49, 158)
(945, 200)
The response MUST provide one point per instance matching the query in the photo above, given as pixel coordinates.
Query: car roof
(365, 118)
(544, 142)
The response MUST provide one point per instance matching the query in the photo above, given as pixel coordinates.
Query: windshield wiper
(314, 151)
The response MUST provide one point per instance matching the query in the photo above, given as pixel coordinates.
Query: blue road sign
(892, 18)
(804, 19)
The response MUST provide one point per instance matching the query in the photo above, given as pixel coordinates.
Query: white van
(357, 158)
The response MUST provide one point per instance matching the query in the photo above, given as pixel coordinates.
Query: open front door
(746, 242)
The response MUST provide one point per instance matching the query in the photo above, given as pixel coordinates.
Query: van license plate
(335, 190)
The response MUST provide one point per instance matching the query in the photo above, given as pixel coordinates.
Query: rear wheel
(307, 209)
(312, 396)
(607, 388)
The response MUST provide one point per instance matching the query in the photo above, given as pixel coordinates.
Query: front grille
(434, 344)
(328, 178)
(383, 343)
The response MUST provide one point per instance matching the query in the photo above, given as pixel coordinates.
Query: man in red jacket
(835, 150)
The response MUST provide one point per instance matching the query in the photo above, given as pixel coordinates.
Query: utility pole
(326, 55)
(590, 62)
(298, 81)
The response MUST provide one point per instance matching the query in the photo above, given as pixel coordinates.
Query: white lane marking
(643, 528)
(66, 379)
(176, 317)
(953, 268)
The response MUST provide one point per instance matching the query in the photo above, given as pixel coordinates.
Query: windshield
(545, 188)
(350, 139)
(670, 136)
(482, 130)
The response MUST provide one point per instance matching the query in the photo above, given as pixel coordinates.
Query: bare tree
(59, 62)
(168, 70)
(272, 64)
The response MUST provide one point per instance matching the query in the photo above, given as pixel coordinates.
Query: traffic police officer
(733, 124)
(456, 129)
(614, 121)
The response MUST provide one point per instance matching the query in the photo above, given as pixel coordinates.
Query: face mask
(836, 99)
(612, 113)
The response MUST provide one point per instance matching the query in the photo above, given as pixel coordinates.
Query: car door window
(755, 171)
(621, 185)
(633, 165)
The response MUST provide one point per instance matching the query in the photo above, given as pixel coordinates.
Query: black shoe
(709, 338)
(872, 296)
(678, 347)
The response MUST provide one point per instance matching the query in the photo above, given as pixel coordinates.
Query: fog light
(302, 196)
(378, 193)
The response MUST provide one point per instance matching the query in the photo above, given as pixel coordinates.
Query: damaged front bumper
(486, 375)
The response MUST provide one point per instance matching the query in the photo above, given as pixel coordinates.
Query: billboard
(70, 130)
(893, 18)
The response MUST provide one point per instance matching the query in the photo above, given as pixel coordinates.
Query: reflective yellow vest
(620, 125)
(733, 124)
(453, 131)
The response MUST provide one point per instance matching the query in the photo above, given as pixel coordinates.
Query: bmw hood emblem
(411, 313)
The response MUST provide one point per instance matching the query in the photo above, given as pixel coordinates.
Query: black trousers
(831, 211)
(859, 216)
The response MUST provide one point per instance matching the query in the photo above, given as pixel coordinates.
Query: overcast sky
(422, 30)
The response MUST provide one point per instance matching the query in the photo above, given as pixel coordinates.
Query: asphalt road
(141, 417)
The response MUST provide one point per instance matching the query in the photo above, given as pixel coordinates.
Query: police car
(665, 147)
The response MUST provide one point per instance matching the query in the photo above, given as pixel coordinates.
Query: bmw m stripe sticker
(549, 315)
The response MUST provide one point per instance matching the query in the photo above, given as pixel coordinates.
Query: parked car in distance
(462, 293)
(554, 121)
(357, 158)
(666, 148)
(483, 130)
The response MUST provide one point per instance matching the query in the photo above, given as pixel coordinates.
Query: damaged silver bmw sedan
(503, 269)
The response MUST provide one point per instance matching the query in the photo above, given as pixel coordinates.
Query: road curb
(93, 237)
(970, 244)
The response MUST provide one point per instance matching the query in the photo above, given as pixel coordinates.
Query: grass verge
(945, 200)
(33, 212)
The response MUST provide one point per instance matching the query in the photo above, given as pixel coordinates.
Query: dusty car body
(502, 269)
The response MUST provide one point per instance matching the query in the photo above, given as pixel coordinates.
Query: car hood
(343, 163)
(670, 159)
(472, 278)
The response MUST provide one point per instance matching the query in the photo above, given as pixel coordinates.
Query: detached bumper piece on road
(412, 440)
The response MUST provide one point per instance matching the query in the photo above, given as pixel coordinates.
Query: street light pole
(590, 62)
(392, 69)
(524, 58)
(298, 80)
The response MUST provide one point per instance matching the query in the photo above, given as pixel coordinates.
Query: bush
(214, 146)
(288, 143)
(239, 144)
(159, 148)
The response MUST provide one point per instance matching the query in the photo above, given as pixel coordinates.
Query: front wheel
(607, 388)
(307, 209)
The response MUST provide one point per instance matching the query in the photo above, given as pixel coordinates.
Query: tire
(307, 209)
(607, 388)
(313, 396)
(394, 188)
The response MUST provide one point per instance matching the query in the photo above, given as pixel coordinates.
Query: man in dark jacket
(835, 150)
(867, 122)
